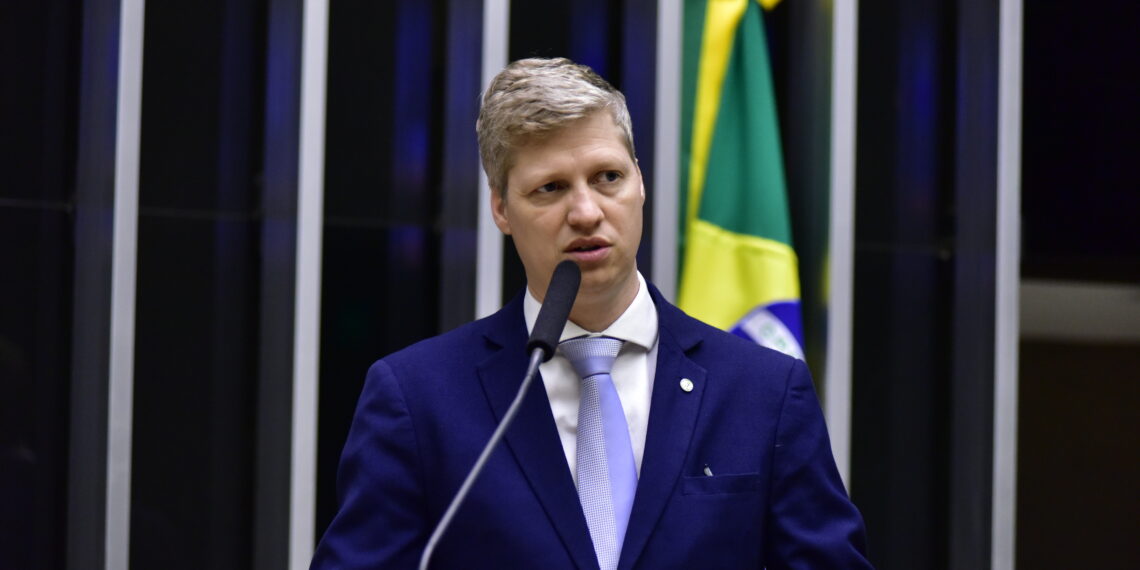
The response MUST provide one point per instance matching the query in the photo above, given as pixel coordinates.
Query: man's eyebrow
(612, 158)
(540, 172)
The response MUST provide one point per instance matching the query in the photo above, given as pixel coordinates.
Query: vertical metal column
(1006, 332)
(837, 379)
(667, 151)
(121, 388)
(105, 245)
(307, 308)
(489, 255)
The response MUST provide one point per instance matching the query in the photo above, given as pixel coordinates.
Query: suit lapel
(533, 438)
(672, 416)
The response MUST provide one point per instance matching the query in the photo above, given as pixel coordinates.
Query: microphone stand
(536, 358)
(560, 295)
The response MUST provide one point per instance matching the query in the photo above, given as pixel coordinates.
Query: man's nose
(584, 208)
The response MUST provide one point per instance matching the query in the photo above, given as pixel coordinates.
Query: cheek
(545, 222)
(628, 218)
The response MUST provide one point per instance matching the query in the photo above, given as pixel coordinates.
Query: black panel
(904, 130)
(191, 501)
(180, 120)
(40, 43)
(385, 103)
(460, 198)
(201, 78)
(637, 79)
(35, 355)
(904, 281)
(899, 408)
(198, 286)
(277, 291)
(975, 266)
(390, 123)
(553, 38)
(381, 296)
(926, 227)
(360, 109)
(1080, 141)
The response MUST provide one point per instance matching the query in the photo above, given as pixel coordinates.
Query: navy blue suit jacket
(774, 500)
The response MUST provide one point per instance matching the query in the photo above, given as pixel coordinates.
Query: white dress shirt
(632, 372)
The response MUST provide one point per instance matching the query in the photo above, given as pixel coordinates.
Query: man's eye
(548, 187)
(610, 176)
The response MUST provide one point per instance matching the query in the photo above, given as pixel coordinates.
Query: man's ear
(499, 211)
(640, 178)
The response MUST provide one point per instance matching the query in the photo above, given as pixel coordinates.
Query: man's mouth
(588, 251)
(586, 245)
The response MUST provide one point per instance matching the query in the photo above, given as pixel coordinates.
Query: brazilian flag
(739, 271)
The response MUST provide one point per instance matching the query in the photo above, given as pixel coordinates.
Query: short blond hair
(535, 97)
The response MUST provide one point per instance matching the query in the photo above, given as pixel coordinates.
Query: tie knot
(591, 356)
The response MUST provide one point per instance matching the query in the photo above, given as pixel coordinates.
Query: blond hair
(536, 97)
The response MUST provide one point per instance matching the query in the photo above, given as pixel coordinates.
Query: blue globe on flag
(776, 326)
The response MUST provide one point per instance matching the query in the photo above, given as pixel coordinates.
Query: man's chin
(604, 282)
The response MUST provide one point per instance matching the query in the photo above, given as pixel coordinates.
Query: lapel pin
(686, 385)
(708, 471)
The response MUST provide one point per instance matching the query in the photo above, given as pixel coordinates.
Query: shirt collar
(638, 324)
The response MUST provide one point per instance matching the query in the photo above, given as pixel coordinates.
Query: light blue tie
(607, 474)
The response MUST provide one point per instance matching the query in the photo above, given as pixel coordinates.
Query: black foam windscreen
(555, 309)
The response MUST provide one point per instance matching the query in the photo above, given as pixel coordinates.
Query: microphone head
(560, 295)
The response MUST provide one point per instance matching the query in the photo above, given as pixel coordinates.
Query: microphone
(560, 295)
(555, 310)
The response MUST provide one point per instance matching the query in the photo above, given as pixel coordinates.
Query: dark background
(400, 201)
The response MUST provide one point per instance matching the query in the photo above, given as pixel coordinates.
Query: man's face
(576, 194)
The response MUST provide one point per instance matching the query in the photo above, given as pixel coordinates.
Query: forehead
(592, 138)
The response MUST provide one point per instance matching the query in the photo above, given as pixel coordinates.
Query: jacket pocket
(721, 484)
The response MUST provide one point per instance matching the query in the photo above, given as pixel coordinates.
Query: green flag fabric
(739, 271)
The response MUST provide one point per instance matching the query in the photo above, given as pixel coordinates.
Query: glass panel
(1080, 133)
(35, 357)
(40, 43)
(196, 340)
(387, 77)
(195, 366)
(903, 290)
(1077, 385)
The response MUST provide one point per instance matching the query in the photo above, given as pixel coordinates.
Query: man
(717, 455)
